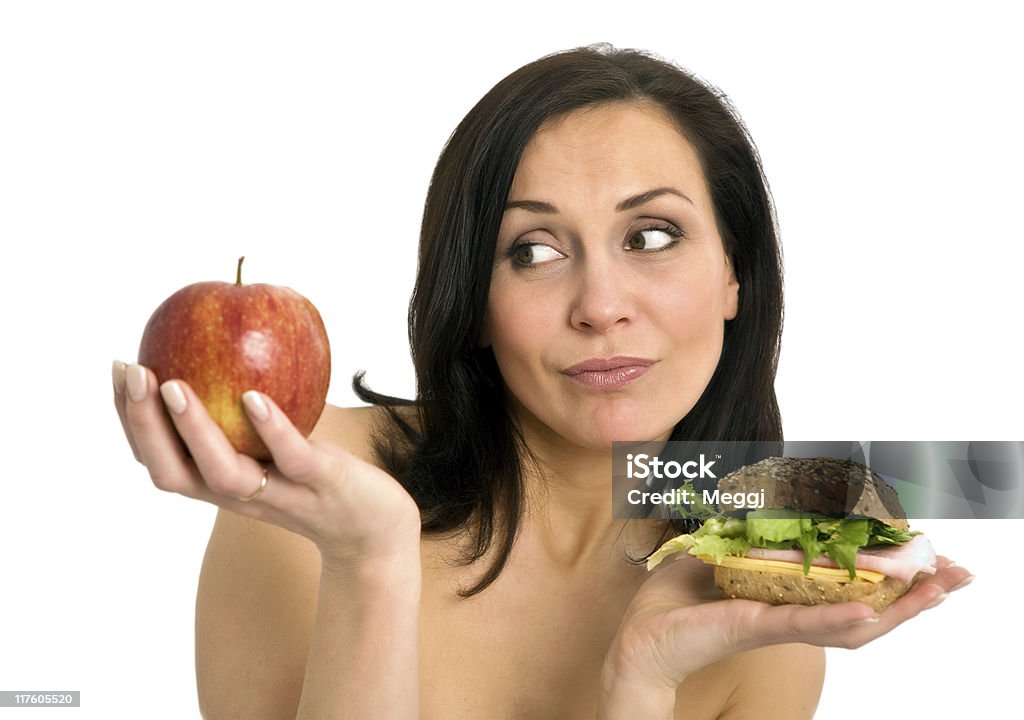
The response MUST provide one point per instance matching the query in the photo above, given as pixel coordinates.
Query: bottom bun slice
(786, 588)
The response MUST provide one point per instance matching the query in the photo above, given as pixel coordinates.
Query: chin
(597, 426)
(605, 428)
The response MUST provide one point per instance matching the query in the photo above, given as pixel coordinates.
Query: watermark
(940, 479)
(40, 698)
(649, 468)
(687, 497)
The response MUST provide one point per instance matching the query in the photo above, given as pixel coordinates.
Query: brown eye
(524, 254)
(637, 242)
(653, 238)
(532, 254)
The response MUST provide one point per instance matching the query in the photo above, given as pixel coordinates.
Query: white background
(145, 146)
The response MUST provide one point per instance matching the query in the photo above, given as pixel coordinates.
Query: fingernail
(963, 583)
(937, 601)
(135, 381)
(255, 405)
(117, 375)
(174, 397)
(865, 621)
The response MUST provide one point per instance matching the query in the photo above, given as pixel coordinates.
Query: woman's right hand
(353, 511)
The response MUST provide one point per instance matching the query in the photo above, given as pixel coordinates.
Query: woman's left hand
(677, 623)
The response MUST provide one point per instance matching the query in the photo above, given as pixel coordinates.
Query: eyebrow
(536, 206)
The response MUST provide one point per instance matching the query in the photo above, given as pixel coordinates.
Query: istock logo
(645, 467)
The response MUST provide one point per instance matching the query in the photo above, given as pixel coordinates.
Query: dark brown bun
(786, 589)
(828, 486)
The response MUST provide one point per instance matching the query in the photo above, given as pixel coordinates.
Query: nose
(603, 297)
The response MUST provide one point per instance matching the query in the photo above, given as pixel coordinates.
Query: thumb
(294, 455)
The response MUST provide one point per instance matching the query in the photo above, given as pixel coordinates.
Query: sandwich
(830, 531)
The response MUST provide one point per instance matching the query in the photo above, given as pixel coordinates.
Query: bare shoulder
(256, 601)
(352, 428)
(780, 682)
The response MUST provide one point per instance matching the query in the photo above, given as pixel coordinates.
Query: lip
(608, 373)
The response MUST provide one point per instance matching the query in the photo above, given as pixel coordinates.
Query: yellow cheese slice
(778, 566)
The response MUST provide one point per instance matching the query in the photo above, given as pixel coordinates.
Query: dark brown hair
(462, 460)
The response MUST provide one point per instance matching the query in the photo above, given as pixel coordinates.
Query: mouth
(608, 374)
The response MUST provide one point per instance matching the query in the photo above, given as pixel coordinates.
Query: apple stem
(238, 277)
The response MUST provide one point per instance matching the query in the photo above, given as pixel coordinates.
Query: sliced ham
(902, 562)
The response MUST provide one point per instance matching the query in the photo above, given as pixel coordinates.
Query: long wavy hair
(460, 454)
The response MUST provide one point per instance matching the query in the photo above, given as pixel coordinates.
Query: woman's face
(610, 284)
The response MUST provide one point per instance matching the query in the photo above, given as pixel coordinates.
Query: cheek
(701, 314)
(691, 319)
(692, 304)
(516, 328)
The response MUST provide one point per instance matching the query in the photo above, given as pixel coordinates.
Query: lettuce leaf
(678, 544)
(810, 542)
(882, 534)
(844, 542)
(723, 527)
(718, 547)
(840, 539)
(698, 509)
(777, 528)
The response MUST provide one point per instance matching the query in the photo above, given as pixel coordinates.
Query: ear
(732, 292)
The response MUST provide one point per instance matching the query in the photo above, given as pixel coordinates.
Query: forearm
(364, 654)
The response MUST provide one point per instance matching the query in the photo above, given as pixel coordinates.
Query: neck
(569, 504)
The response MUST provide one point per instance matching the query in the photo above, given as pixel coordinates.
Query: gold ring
(263, 484)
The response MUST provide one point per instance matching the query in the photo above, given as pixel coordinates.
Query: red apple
(224, 339)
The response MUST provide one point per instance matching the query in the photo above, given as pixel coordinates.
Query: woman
(598, 262)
